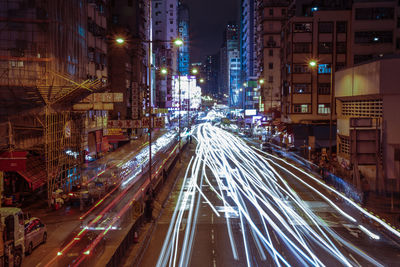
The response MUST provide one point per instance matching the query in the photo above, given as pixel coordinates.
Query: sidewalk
(174, 180)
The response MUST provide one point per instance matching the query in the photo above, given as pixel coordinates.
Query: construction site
(44, 71)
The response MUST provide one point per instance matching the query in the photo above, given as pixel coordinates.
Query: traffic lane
(384, 250)
(82, 247)
(43, 251)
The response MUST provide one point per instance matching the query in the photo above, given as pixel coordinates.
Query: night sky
(208, 19)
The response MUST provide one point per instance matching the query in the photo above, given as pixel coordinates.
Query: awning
(35, 173)
(11, 161)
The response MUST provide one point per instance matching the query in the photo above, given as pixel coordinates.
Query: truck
(12, 237)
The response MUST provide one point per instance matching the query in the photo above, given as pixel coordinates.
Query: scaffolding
(43, 66)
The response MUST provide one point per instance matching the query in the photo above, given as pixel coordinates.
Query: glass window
(300, 68)
(373, 37)
(341, 26)
(325, 27)
(376, 13)
(324, 88)
(271, 66)
(341, 47)
(301, 88)
(324, 68)
(301, 108)
(324, 47)
(271, 11)
(271, 52)
(302, 48)
(302, 27)
(324, 109)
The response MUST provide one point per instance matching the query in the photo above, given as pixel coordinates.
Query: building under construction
(44, 70)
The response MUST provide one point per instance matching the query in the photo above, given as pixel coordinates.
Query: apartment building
(128, 62)
(368, 123)
(165, 30)
(271, 17)
(307, 98)
(375, 27)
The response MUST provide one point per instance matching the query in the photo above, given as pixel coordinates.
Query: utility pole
(150, 94)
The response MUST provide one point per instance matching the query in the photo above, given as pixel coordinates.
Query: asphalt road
(82, 237)
(238, 206)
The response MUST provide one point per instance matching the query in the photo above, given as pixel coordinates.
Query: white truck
(12, 237)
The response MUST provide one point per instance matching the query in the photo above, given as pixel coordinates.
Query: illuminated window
(301, 108)
(301, 88)
(324, 68)
(324, 109)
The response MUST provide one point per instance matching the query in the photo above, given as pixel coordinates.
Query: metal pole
(180, 107)
(188, 109)
(150, 94)
(331, 115)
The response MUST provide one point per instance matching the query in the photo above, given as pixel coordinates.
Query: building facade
(270, 17)
(184, 53)
(367, 98)
(165, 30)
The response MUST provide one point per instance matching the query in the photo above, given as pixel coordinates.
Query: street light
(201, 80)
(178, 42)
(261, 81)
(120, 40)
(195, 71)
(164, 71)
(313, 64)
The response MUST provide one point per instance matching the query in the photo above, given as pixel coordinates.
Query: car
(35, 234)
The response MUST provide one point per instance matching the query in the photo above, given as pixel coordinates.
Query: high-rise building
(307, 98)
(129, 61)
(374, 30)
(184, 56)
(270, 18)
(210, 72)
(230, 65)
(165, 30)
(48, 65)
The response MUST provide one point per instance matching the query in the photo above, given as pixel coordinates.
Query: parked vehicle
(12, 236)
(35, 234)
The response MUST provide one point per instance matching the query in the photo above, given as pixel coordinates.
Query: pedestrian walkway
(150, 238)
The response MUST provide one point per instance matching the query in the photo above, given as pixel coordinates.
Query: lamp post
(313, 64)
(178, 42)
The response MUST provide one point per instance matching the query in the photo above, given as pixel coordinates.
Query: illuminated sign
(190, 93)
(250, 112)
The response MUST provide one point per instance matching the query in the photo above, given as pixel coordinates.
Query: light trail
(165, 141)
(265, 202)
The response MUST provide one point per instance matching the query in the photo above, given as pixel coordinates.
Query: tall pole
(188, 109)
(180, 107)
(150, 93)
(331, 115)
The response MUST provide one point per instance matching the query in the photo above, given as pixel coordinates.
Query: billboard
(189, 91)
(250, 112)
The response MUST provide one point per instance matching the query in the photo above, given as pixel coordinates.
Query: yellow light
(201, 80)
(178, 42)
(195, 71)
(312, 63)
(164, 71)
(120, 40)
(261, 81)
(245, 84)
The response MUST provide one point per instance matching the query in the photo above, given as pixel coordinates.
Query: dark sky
(208, 19)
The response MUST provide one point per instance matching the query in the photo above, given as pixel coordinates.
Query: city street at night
(239, 205)
(192, 133)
